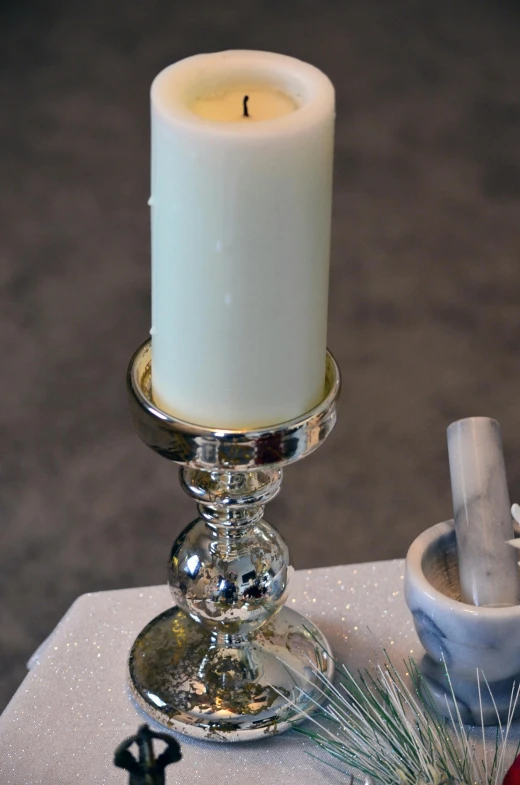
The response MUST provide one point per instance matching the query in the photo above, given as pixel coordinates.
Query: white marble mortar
(459, 637)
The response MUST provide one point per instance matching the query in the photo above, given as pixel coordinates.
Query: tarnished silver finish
(184, 680)
(229, 662)
(231, 578)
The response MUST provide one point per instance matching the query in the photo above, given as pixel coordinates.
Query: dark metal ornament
(147, 769)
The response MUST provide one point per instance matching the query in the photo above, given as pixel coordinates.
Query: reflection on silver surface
(229, 662)
(181, 679)
(206, 448)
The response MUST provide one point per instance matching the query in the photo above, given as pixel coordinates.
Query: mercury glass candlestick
(229, 662)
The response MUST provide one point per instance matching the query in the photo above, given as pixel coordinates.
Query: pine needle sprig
(387, 728)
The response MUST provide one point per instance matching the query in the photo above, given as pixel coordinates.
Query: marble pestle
(488, 568)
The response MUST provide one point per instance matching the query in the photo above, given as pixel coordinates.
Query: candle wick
(246, 112)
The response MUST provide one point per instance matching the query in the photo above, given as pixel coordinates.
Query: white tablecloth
(73, 708)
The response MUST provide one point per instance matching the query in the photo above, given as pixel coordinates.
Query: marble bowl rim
(415, 576)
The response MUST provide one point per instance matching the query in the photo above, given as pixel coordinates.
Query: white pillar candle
(242, 147)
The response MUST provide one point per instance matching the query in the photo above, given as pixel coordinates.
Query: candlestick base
(229, 663)
(267, 682)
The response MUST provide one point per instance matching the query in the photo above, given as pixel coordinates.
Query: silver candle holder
(229, 662)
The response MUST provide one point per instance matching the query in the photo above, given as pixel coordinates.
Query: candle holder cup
(229, 662)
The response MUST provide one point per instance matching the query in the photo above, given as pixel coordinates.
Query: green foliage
(388, 730)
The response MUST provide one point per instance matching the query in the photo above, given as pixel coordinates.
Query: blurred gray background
(425, 285)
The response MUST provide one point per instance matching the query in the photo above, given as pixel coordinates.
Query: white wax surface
(240, 242)
(261, 103)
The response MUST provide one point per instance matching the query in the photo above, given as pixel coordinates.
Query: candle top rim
(465, 422)
(178, 85)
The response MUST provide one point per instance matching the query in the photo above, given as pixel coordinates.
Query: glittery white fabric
(73, 708)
